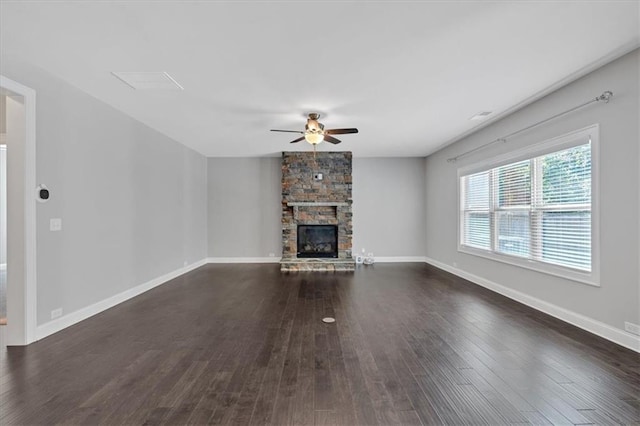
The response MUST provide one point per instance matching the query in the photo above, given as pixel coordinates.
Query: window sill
(589, 278)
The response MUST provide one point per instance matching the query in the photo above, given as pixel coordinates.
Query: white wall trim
(400, 259)
(598, 328)
(72, 318)
(243, 260)
(23, 330)
(3, 266)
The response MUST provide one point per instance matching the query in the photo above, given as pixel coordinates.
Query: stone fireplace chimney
(316, 190)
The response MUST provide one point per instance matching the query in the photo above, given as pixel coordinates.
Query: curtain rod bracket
(606, 97)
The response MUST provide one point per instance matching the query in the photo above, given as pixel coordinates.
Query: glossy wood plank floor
(244, 344)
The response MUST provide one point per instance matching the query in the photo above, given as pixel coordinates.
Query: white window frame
(559, 143)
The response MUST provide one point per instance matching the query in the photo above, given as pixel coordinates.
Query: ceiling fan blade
(297, 140)
(340, 131)
(331, 139)
(288, 131)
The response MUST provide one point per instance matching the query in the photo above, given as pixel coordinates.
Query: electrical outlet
(185, 263)
(55, 224)
(632, 328)
(455, 264)
(56, 313)
(272, 254)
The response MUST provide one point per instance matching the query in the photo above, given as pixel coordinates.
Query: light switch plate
(55, 224)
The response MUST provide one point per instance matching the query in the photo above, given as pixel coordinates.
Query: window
(534, 208)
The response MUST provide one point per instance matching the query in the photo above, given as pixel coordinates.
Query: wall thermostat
(317, 176)
(42, 193)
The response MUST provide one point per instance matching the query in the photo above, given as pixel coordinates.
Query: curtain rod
(606, 96)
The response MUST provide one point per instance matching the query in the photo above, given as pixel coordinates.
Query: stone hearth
(308, 199)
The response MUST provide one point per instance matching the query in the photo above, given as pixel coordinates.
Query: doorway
(17, 199)
(3, 214)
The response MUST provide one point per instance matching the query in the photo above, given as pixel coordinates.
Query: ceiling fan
(314, 132)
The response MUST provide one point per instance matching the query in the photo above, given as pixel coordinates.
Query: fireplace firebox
(317, 241)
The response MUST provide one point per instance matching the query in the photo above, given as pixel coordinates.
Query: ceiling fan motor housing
(314, 127)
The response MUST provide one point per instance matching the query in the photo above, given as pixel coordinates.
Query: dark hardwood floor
(245, 344)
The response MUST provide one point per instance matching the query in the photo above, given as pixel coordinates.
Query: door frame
(22, 331)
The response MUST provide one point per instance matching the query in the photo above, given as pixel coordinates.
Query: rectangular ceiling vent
(480, 115)
(156, 80)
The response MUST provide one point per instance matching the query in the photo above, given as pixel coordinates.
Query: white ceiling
(409, 75)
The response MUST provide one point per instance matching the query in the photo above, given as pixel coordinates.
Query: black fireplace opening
(317, 241)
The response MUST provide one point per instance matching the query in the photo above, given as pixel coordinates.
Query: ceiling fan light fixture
(313, 138)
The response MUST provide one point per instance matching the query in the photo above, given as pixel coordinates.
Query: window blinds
(538, 209)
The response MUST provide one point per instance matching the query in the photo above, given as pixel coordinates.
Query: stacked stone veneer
(306, 201)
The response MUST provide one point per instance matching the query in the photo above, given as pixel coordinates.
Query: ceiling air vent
(156, 80)
(480, 115)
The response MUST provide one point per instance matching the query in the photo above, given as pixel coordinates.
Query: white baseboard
(243, 260)
(68, 320)
(591, 325)
(399, 259)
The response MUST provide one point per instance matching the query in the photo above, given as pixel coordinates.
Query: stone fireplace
(316, 211)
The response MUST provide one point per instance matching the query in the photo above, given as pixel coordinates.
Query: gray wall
(617, 300)
(132, 201)
(388, 206)
(245, 197)
(3, 114)
(244, 207)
